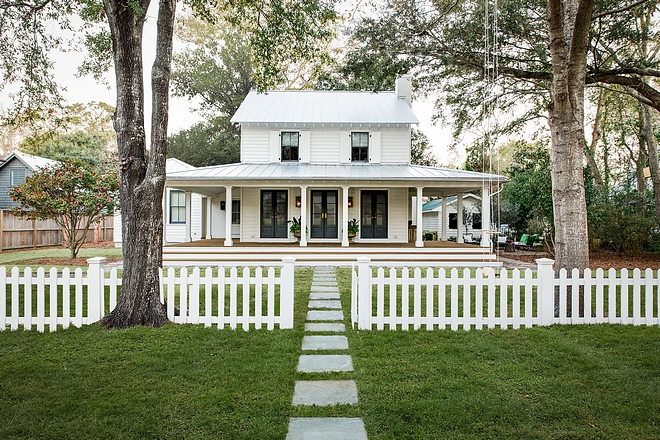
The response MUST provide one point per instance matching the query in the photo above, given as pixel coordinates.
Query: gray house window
(16, 177)
(290, 145)
(359, 147)
(177, 207)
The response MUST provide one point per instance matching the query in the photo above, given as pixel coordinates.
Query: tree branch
(616, 11)
(651, 95)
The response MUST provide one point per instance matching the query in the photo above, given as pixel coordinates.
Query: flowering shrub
(71, 194)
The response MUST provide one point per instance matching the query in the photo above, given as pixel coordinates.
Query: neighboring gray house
(14, 170)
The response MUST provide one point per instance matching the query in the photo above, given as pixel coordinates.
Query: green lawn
(185, 381)
(19, 258)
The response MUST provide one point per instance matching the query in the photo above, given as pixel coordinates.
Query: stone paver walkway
(325, 316)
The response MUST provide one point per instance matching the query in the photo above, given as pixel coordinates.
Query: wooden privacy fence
(17, 232)
(254, 297)
(437, 298)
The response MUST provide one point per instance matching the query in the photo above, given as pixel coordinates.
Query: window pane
(16, 177)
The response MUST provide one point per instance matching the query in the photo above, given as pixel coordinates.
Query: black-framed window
(177, 206)
(476, 220)
(290, 145)
(16, 176)
(235, 212)
(359, 146)
(453, 220)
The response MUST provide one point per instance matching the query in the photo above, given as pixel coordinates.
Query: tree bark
(142, 176)
(566, 119)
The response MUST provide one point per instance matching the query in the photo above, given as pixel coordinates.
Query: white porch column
(485, 215)
(303, 216)
(228, 240)
(188, 237)
(166, 216)
(459, 217)
(209, 208)
(344, 216)
(420, 223)
(444, 217)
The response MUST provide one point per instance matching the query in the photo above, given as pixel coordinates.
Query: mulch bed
(603, 259)
(62, 262)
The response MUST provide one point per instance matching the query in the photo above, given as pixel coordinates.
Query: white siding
(250, 214)
(398, 215)
(324, 146)
(344, 147)
(255, 145)
(395, 145)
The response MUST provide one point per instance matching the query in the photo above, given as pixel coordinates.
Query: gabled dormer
(327, 127)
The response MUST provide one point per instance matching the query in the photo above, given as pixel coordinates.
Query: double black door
(274, 214)
(324, 214)
(373, 222)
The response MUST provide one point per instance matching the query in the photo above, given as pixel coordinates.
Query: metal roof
(437, 203)
(323, 107)
(298, 171)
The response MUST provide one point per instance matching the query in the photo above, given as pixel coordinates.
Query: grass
(185, 381)
(21, 259)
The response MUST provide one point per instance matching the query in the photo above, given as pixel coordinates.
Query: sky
(86, 89)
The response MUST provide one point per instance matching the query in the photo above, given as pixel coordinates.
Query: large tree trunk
(569, 36)
(652, 151)
(142, 176)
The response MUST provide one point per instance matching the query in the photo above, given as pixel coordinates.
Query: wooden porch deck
(212, 252)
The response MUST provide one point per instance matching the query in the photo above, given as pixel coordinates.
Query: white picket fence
(251, 297)
(471, 299)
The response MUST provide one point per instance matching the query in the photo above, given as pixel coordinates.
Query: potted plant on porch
(353, 228)
(295, 227)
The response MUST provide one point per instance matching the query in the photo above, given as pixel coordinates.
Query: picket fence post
(286, 292)
(364, 293)
(546, 291)
(95, 288)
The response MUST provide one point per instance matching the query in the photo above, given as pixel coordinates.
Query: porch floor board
(212, 252)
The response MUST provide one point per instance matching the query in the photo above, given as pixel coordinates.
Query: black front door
(274, 214)
(324, 214)
(374, 214)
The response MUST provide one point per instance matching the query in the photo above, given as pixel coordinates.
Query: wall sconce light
(298, 202)
(222, 205)
(350, 202)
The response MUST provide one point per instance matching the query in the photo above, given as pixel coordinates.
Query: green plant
(353, 226)
(295, 225)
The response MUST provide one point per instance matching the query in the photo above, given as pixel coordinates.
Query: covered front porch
(253, 205)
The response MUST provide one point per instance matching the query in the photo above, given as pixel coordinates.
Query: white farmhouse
(326, 158)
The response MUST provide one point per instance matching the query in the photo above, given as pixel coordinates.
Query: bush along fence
(439, 298)
(251, 297)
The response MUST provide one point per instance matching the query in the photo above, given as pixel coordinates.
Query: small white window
(177, 207)
(16, 177)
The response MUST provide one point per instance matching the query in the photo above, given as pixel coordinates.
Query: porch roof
(260, 173)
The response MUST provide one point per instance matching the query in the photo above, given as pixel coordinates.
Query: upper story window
(177, 207)
(359, 146)
(290, 145)
(16, 176)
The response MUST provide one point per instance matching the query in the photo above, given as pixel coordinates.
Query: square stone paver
(325, 342)
(324, 327)
(324, 304)
(325, 392)
(325, 315)
(326, 428)
(324, 284)
(324, 295)
(320, 363)
(325, 289)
